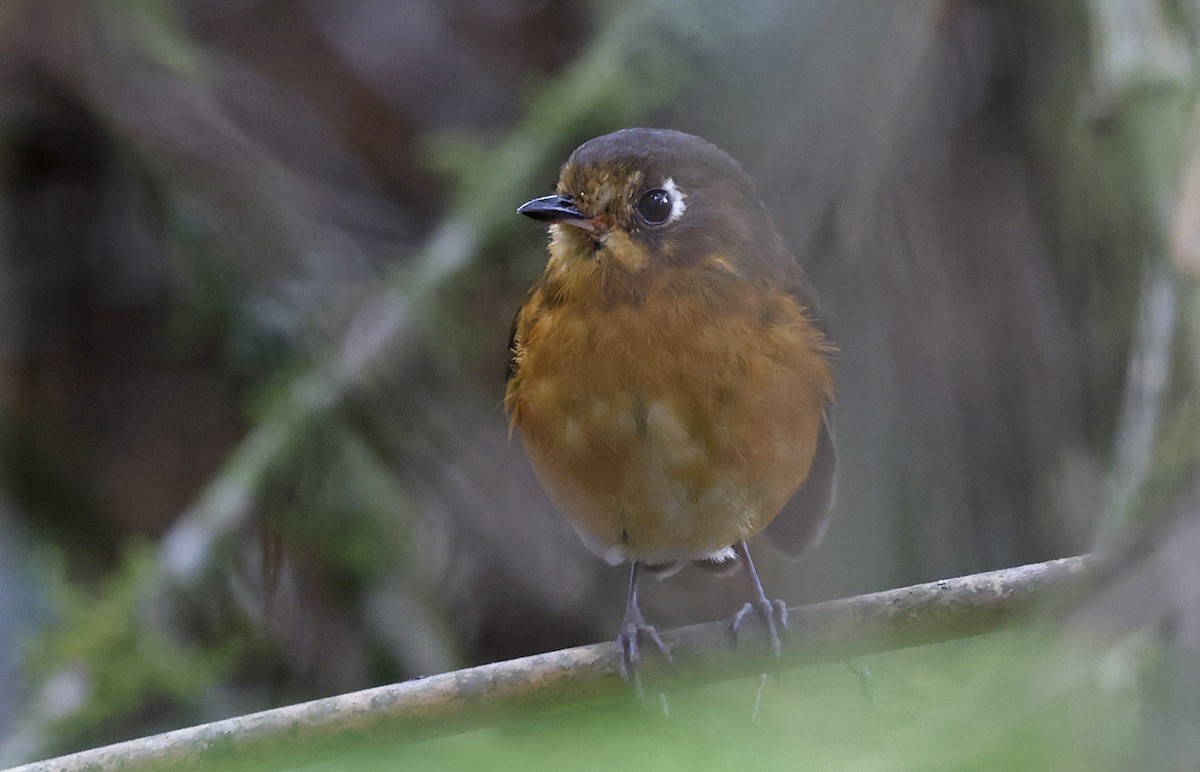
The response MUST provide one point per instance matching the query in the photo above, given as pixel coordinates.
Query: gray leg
(632, 626)
(773, 612)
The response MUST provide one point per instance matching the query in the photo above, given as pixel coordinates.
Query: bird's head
(640, 199)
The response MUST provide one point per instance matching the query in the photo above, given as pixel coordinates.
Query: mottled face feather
(673, 196)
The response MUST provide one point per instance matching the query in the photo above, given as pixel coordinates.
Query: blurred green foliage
(105, 660)
(156, 31)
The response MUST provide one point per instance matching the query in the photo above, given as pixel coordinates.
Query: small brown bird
(668, 374)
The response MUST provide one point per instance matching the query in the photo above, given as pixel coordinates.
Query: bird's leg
(769, 610)
(632, 626)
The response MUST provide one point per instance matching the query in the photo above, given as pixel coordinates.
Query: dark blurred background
(258, 261)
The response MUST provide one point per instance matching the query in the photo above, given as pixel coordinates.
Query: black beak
(554, 209)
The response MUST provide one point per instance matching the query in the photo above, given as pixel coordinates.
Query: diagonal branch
(490, 694)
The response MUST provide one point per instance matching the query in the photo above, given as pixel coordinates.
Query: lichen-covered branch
(467, 699)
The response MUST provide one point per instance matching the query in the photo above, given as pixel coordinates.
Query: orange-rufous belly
(666, 429)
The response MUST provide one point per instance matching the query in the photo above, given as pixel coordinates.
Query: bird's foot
(773, 612)
(634, 626)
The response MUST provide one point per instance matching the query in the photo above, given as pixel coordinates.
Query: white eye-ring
(661, 206)
(677, 196)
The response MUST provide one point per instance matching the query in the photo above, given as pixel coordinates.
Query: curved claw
(627, 641)
(770, 611)
(632, 626)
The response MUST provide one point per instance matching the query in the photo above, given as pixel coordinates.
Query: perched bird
(668, 374)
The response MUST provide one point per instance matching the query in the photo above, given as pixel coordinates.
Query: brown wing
(796, 284)
(803, 521)
(512, 332)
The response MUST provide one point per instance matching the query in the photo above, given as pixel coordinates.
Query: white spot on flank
(678, 207)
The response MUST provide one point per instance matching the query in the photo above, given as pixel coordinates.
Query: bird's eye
(655, 206)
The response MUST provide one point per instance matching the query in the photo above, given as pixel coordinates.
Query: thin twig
(468, 699)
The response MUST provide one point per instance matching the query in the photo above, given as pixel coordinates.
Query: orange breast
(676, 423)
